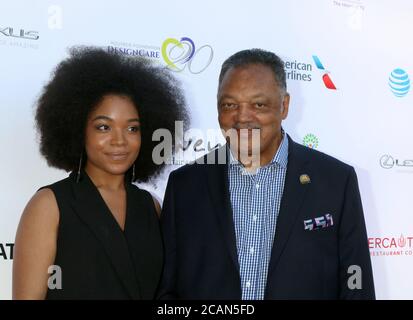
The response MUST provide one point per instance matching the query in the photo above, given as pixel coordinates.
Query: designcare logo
(391, 246)
(183, 54)
(134, 50)
(326, 74)
(177, 55)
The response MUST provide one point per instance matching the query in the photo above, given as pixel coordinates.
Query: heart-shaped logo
(177, 51)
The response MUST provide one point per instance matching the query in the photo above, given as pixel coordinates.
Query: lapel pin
(305, 179)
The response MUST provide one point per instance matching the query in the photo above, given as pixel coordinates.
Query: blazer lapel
(92, 210)
(219, 192)
(291, 202)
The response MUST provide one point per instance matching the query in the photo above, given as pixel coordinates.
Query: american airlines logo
(326, 74)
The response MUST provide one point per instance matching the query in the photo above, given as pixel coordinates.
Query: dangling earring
(133, 173)
(79, 168)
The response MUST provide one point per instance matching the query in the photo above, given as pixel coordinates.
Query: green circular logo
(310, 141)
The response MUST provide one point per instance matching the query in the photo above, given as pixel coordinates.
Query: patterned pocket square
(319, 222)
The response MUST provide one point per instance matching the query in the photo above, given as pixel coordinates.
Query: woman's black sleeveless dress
(96, 258)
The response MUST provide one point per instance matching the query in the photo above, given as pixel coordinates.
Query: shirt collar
(281, 156)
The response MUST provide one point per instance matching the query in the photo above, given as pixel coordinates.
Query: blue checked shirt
(256, 200)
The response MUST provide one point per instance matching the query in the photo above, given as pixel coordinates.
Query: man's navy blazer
(332, 262)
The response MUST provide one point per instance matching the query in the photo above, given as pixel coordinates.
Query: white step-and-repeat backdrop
(350, 71)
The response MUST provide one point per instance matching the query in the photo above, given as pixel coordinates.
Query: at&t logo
(399, 82)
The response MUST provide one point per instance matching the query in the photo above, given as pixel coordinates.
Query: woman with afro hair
(95, 235)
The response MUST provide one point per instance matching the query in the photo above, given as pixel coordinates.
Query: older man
(289, 226)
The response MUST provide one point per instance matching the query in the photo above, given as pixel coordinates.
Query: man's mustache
(239, 126)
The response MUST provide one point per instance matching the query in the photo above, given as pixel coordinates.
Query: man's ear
(285, 104)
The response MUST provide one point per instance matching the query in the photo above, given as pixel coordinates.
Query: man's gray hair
(257, 56)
